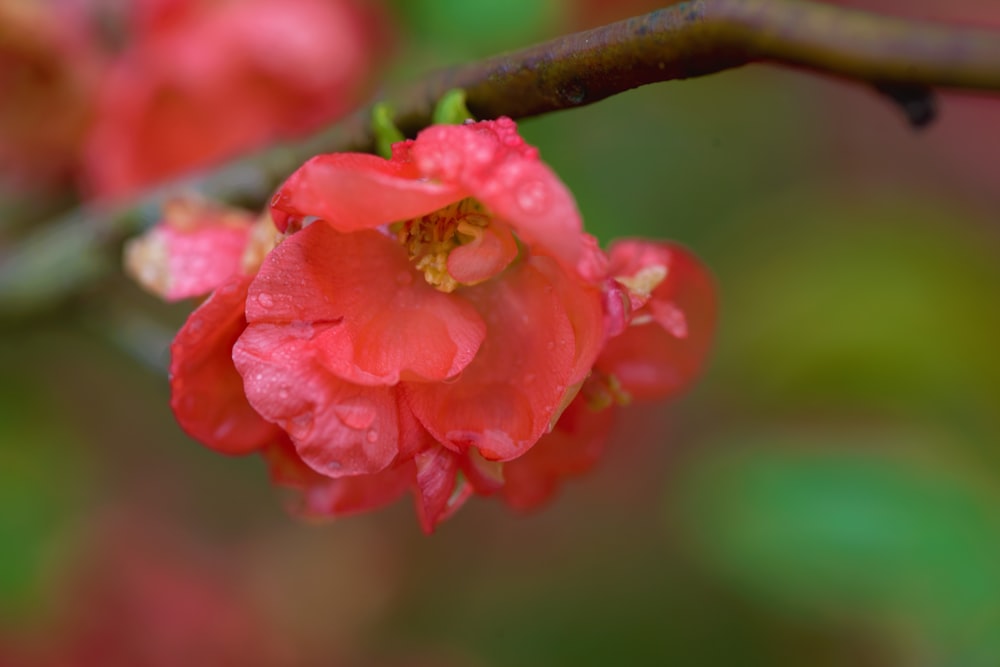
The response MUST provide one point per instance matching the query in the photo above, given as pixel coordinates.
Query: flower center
(431, 238)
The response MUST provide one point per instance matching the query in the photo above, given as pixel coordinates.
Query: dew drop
(531, 197)
(372, 435)
(301, 424)
(355, 415)
(265, 299)
(550, 346)
(283, 394)
(224, 429)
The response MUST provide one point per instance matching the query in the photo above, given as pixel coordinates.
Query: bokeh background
(827, 495)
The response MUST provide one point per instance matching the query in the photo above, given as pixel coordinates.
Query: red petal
(662, 357)
(491, 162)
(504, 400)
(437, 497)
(485, 256)
(195, 249)
(571, 449)
(583, 304)
(321, 496)
(339, 428)
(377, 319)
(206, 391)
(354, 191)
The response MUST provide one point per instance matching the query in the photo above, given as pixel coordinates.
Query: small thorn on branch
(918, 103)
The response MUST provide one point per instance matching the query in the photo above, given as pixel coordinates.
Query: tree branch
(903, 59)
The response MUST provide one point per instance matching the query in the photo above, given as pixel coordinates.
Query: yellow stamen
(604, 390)
(431, 238)
(644, 281)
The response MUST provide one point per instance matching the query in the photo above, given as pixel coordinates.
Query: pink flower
(202, 80)
(671, 313)
(430, 324)
(49, 61)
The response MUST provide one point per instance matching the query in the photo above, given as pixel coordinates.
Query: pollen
(602, 390)
(431, 238)
(645, 280)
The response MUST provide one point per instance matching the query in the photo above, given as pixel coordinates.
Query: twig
(903, 59)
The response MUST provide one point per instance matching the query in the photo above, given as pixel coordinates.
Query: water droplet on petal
(532, 197)
(265, 300)
(283, 394)
(372, 435)
(550, 346)
(224, 429)
(358, 416)
(300, 425)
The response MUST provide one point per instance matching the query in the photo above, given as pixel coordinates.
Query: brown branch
(903, 59)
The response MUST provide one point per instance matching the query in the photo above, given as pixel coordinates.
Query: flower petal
(196, 248)
(206, 391)
(381, 320)
(354, 191)
(321, 496)
(666, 346)
(583, 303)
(571, 449)
(505, 399)
(489, 253)
(491, 161)
(439, 491)
(338, 428)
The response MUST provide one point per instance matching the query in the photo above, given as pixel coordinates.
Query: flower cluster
(150, 89)
(437, 323)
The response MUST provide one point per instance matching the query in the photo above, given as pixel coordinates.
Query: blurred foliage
(879, 304)
(833, 527)
(45, 475)
(453, 29)
(655, 161)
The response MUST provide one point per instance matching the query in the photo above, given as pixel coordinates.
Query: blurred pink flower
(202, 80)
(135, 595)
(49, 69)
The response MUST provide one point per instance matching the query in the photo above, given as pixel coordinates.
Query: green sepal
(451, 109)
(385, 130)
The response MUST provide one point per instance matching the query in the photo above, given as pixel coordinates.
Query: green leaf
(385, 130)
(42, 481)
(846, 533)
(451, 109)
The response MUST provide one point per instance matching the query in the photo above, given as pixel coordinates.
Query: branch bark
(692, 39)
